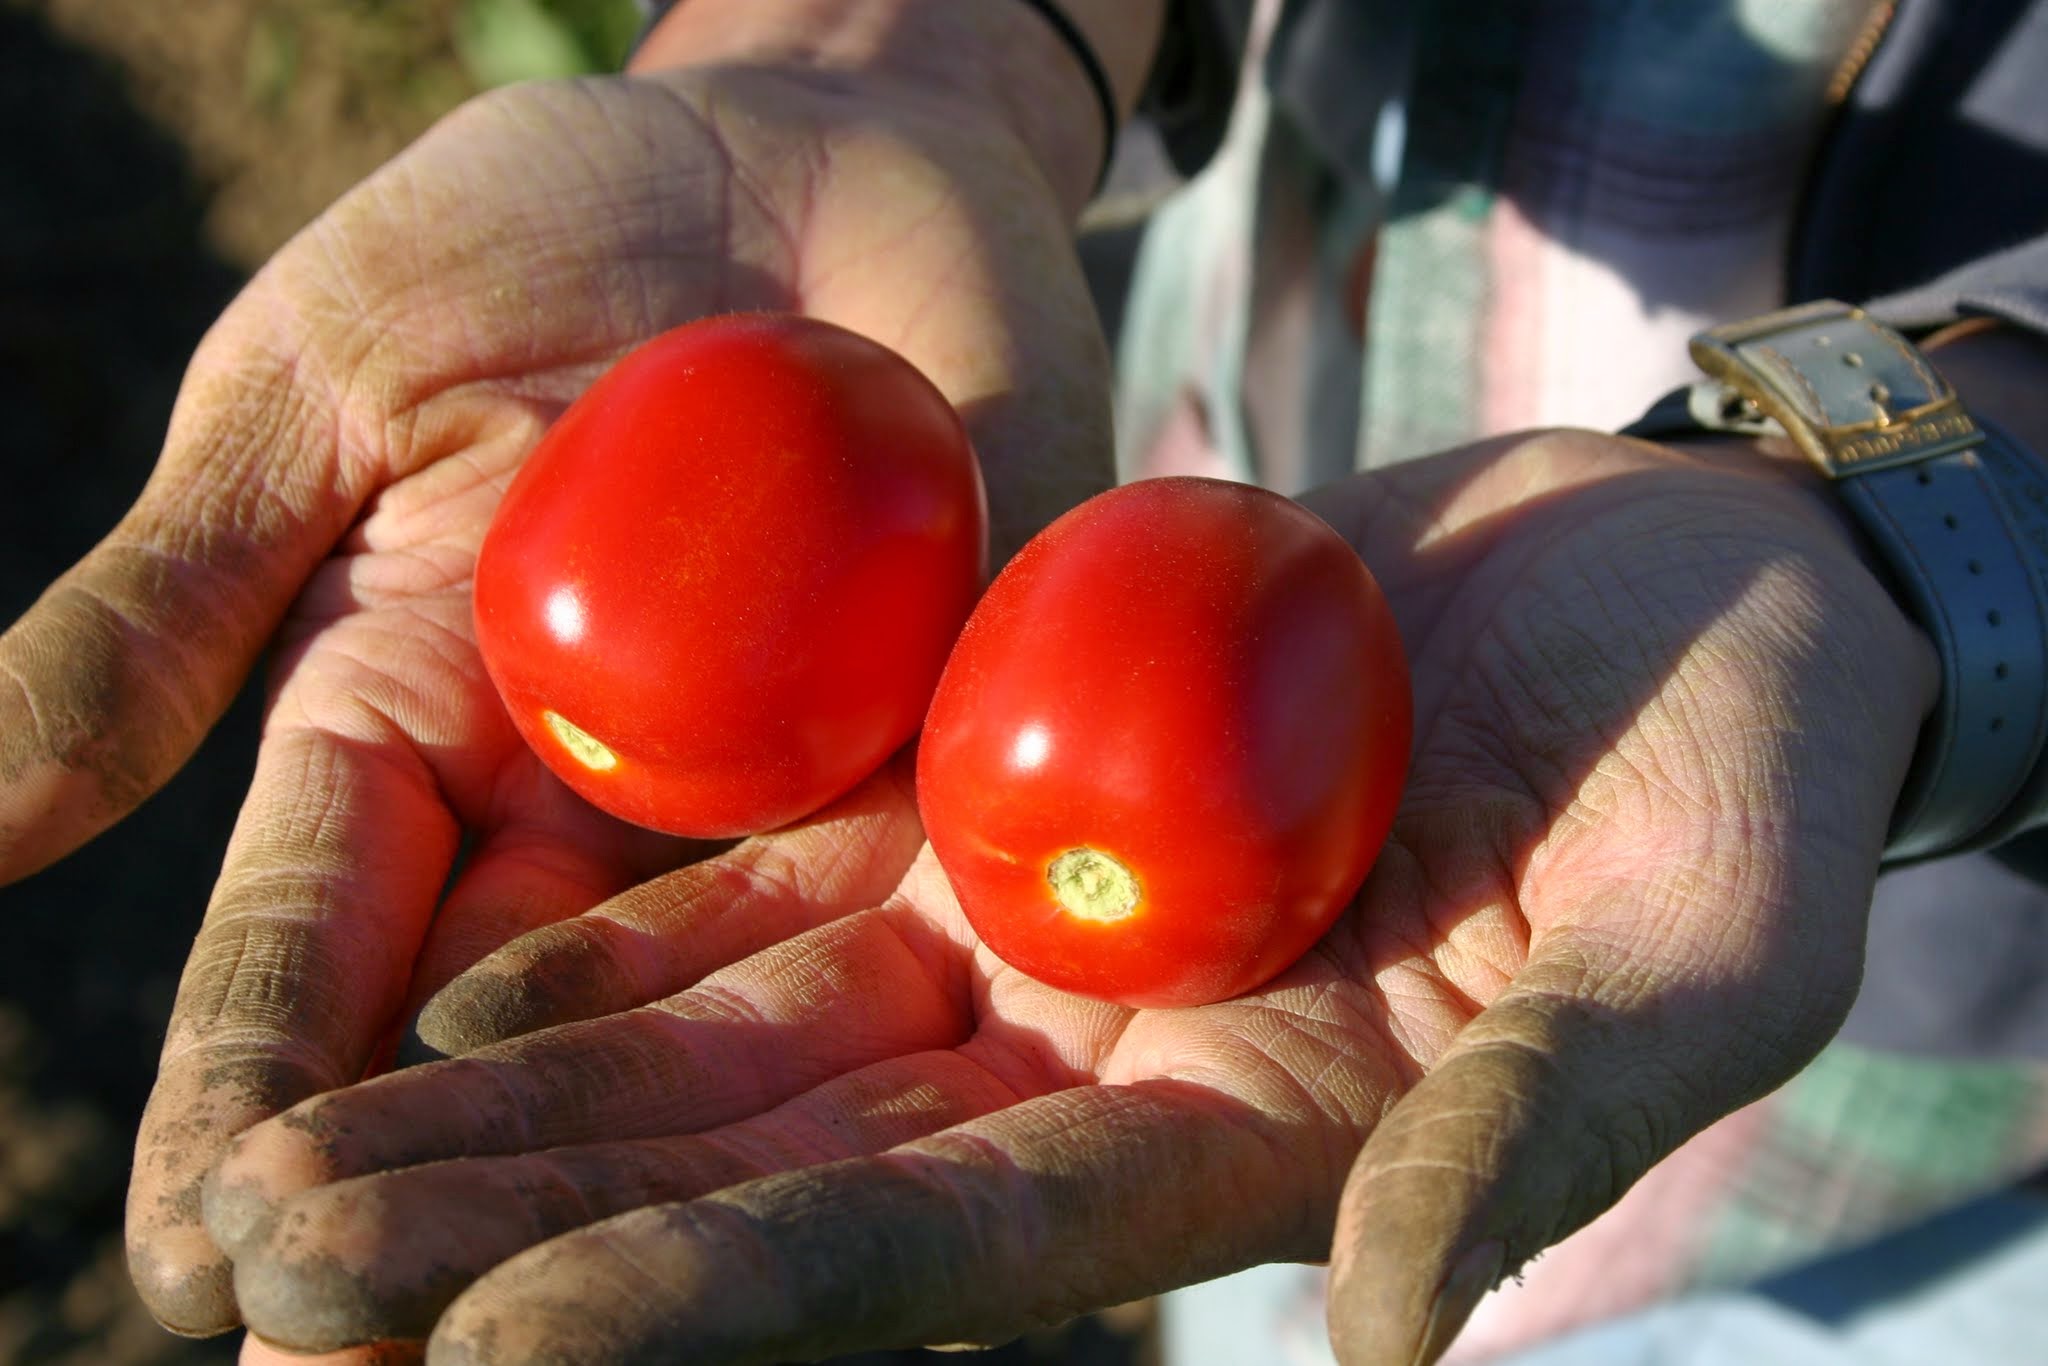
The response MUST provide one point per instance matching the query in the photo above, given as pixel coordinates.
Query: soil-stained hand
(338, 447)
(1663, 710)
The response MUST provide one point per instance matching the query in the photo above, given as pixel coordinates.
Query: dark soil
(106, 281)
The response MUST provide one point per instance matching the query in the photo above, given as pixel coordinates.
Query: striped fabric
(1571, 190)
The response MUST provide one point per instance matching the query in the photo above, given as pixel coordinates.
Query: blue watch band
(1945, 532)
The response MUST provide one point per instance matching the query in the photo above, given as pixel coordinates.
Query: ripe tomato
(722, 587)
(1169, 743)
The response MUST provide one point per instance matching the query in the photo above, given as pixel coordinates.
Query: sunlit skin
(1663, 707)
(1623, 852)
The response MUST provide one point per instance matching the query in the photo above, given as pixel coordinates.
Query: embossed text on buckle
(1932, 429)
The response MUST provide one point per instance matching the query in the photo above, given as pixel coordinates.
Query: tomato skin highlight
(721, 589)
(1199, 680)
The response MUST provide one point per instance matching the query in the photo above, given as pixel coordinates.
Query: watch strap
(1957, 512)
(2022, 482)
(1942, 527)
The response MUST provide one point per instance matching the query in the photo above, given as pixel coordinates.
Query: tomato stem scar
(1091, 885)
(584, 747)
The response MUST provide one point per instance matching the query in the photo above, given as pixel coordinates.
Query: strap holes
(1999, 670)
(1998, 723)
(1993, 617)
(1923, 478)
(1976, 566)
(1948, 519)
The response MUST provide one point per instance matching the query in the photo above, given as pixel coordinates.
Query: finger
(518, 879)
(555, 860)
(660, 937)
(256, 1352)
(110, 680)
(381, 1256)
(845, 996)
(1590, 1068)
(296, 975)
(1023, 1218)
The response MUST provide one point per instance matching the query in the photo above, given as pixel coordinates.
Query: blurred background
(152, 155)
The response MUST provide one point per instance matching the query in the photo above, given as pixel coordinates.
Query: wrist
(995, 57)
(2000, 372)
(1957, 514)
(1777, 461)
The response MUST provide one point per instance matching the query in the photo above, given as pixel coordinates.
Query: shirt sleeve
(1930, 199)
(2011, 285)
(1194, 79)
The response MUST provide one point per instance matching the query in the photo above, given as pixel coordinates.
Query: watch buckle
(1741, 395)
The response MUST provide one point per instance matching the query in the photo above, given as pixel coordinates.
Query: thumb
(116, 673)
(1547, 1107)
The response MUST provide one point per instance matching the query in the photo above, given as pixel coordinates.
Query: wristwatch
(1957, 511)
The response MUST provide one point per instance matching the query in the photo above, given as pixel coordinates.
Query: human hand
(338, 447)
(1663, 709)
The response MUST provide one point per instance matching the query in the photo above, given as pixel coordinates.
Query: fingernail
(1477, 1272)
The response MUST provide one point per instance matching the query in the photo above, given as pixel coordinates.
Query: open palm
(1662, 712)
(342, 439)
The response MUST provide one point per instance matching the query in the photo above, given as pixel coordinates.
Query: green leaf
(605, 28)
(502, 41)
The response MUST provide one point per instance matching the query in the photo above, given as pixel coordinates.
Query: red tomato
(1168, 745)
(721, 589)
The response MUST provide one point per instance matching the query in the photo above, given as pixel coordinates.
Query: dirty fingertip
(1472, 1277)
(191, 1299)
